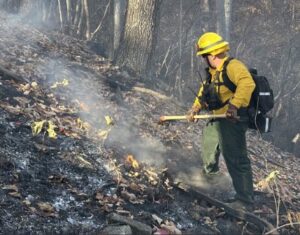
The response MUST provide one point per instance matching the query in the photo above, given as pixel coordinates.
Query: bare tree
(119, 9)
(223, 8)
(61, 15)
(139, 35)
(87, 19)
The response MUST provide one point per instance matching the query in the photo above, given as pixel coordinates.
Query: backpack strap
(226, 80)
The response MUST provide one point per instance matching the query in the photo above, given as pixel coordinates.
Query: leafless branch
(282, 226)
(100, 24)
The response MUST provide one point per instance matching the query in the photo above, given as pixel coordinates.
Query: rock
(137, 227)
(112, 230)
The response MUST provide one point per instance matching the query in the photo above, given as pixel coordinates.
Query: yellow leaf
(25, 87)
(34, 84)
(36, 127)
(103, 134)
(64, 82)
(79, 123)
(50, 130)
(272, 175)
(264, 183)
(109, 120)
(83, 125)
(134, 163)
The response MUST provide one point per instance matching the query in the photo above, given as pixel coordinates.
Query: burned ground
(108, 152)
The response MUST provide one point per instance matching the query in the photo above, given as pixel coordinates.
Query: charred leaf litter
(108, 153)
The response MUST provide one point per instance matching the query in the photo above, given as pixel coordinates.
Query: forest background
(155, 40)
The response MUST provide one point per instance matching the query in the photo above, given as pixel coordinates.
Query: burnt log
(262, 224)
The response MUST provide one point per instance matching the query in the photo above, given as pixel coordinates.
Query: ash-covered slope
(72, 127)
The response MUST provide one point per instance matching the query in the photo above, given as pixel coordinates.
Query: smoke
(85, 88)
(37, 13)
(209, 184)
(89, 90)
(147, 149)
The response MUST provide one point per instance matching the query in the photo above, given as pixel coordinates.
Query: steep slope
(81, 139)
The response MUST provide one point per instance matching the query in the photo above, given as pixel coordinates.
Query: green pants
(231, 139)
(210, 149)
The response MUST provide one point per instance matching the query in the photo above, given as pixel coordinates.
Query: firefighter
(227, 136)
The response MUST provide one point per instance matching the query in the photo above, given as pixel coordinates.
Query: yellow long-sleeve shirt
(238, 74)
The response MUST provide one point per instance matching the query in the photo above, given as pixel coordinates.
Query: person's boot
(211, 177)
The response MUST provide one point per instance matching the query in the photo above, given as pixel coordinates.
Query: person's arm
(196, 107)
(241, 77)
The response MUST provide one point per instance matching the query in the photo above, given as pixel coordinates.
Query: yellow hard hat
(211, 43)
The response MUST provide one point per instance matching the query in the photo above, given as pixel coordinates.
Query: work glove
(192, 112)
(231, 113)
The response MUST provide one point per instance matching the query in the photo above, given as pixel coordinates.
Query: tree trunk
(87, 19)
(139, 35)
(61, 15)
(223, 8)
(69, 15)
(227, 16)
(119, 13)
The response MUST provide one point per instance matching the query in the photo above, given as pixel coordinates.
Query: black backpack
(262, 100)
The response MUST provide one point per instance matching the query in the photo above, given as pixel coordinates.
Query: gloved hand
(231, 113)
(192, 112)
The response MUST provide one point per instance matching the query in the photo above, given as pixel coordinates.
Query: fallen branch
(6, 74)
(151, 92)
(282, 226)
(100, 24)
(239, 214)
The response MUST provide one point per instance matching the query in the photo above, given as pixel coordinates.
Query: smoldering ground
(86, 89)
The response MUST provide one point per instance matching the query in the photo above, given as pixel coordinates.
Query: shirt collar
(220, 67)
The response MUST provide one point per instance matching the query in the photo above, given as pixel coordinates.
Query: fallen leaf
(109, 120)
(134, 163)
(11, 187)
(15, 194)
(85, 162)
(34, 84)
(131, 197)
(128, 196)
(122, 211)
(27, 202)
(50, 130)
(83, 125)
(99, 196)
(171, 227)
(103, 134)
(36, 127)
(64, 82)
(22, 100)
(46, 207)
(9, 108)
(264, 183)
(157, 219)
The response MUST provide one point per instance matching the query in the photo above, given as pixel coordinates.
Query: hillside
(81, 139)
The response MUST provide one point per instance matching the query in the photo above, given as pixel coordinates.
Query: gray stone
(114, 230)
(137, 227)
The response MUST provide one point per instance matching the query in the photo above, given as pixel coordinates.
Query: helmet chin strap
(209, 64)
